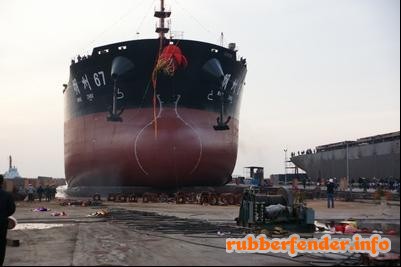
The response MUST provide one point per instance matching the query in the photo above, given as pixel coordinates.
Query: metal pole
(162, 19)
(348, 165)
(285, 166)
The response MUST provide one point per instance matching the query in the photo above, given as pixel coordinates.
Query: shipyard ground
(163, 234)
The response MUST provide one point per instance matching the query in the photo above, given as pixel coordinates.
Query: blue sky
(320, 71)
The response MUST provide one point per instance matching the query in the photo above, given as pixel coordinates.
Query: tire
(96, 197)
(133, 198)
(122, 198)
(111, 197)
(213, 200)
(180, 199)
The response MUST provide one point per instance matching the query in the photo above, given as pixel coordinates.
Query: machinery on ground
(277, 206)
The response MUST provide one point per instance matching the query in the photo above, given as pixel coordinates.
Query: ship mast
(162, 14)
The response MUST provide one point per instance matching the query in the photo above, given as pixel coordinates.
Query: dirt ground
(152, 234)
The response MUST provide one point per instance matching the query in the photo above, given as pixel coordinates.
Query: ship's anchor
(213, 67)
(114, 115)
(221, 124)
(120, 67)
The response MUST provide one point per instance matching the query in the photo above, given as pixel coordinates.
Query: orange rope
(169, 68)
(154, 81)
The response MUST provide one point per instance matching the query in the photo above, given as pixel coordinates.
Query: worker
(48, 193)
(7, 208)
(40, 192)
(31, 192)
(330, 193)
(318, 191)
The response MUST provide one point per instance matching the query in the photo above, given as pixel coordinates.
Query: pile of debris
(388, 259)
(41, 209)
(100, 214)
(276, 232)
(349, 227)
(58, 214)
(81, 203)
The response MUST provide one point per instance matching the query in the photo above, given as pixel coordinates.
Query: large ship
(158, 113)
(374, 157)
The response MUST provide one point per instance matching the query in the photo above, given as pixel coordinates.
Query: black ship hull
(128, 125)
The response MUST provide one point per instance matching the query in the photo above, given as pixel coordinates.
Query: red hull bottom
(182, 149)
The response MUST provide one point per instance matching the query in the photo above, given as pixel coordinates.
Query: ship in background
(371, 157)
(153, 113)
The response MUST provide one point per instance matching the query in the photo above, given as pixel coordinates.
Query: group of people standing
(48, 193)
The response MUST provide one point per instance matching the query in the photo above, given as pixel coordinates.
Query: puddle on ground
(37, 226)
